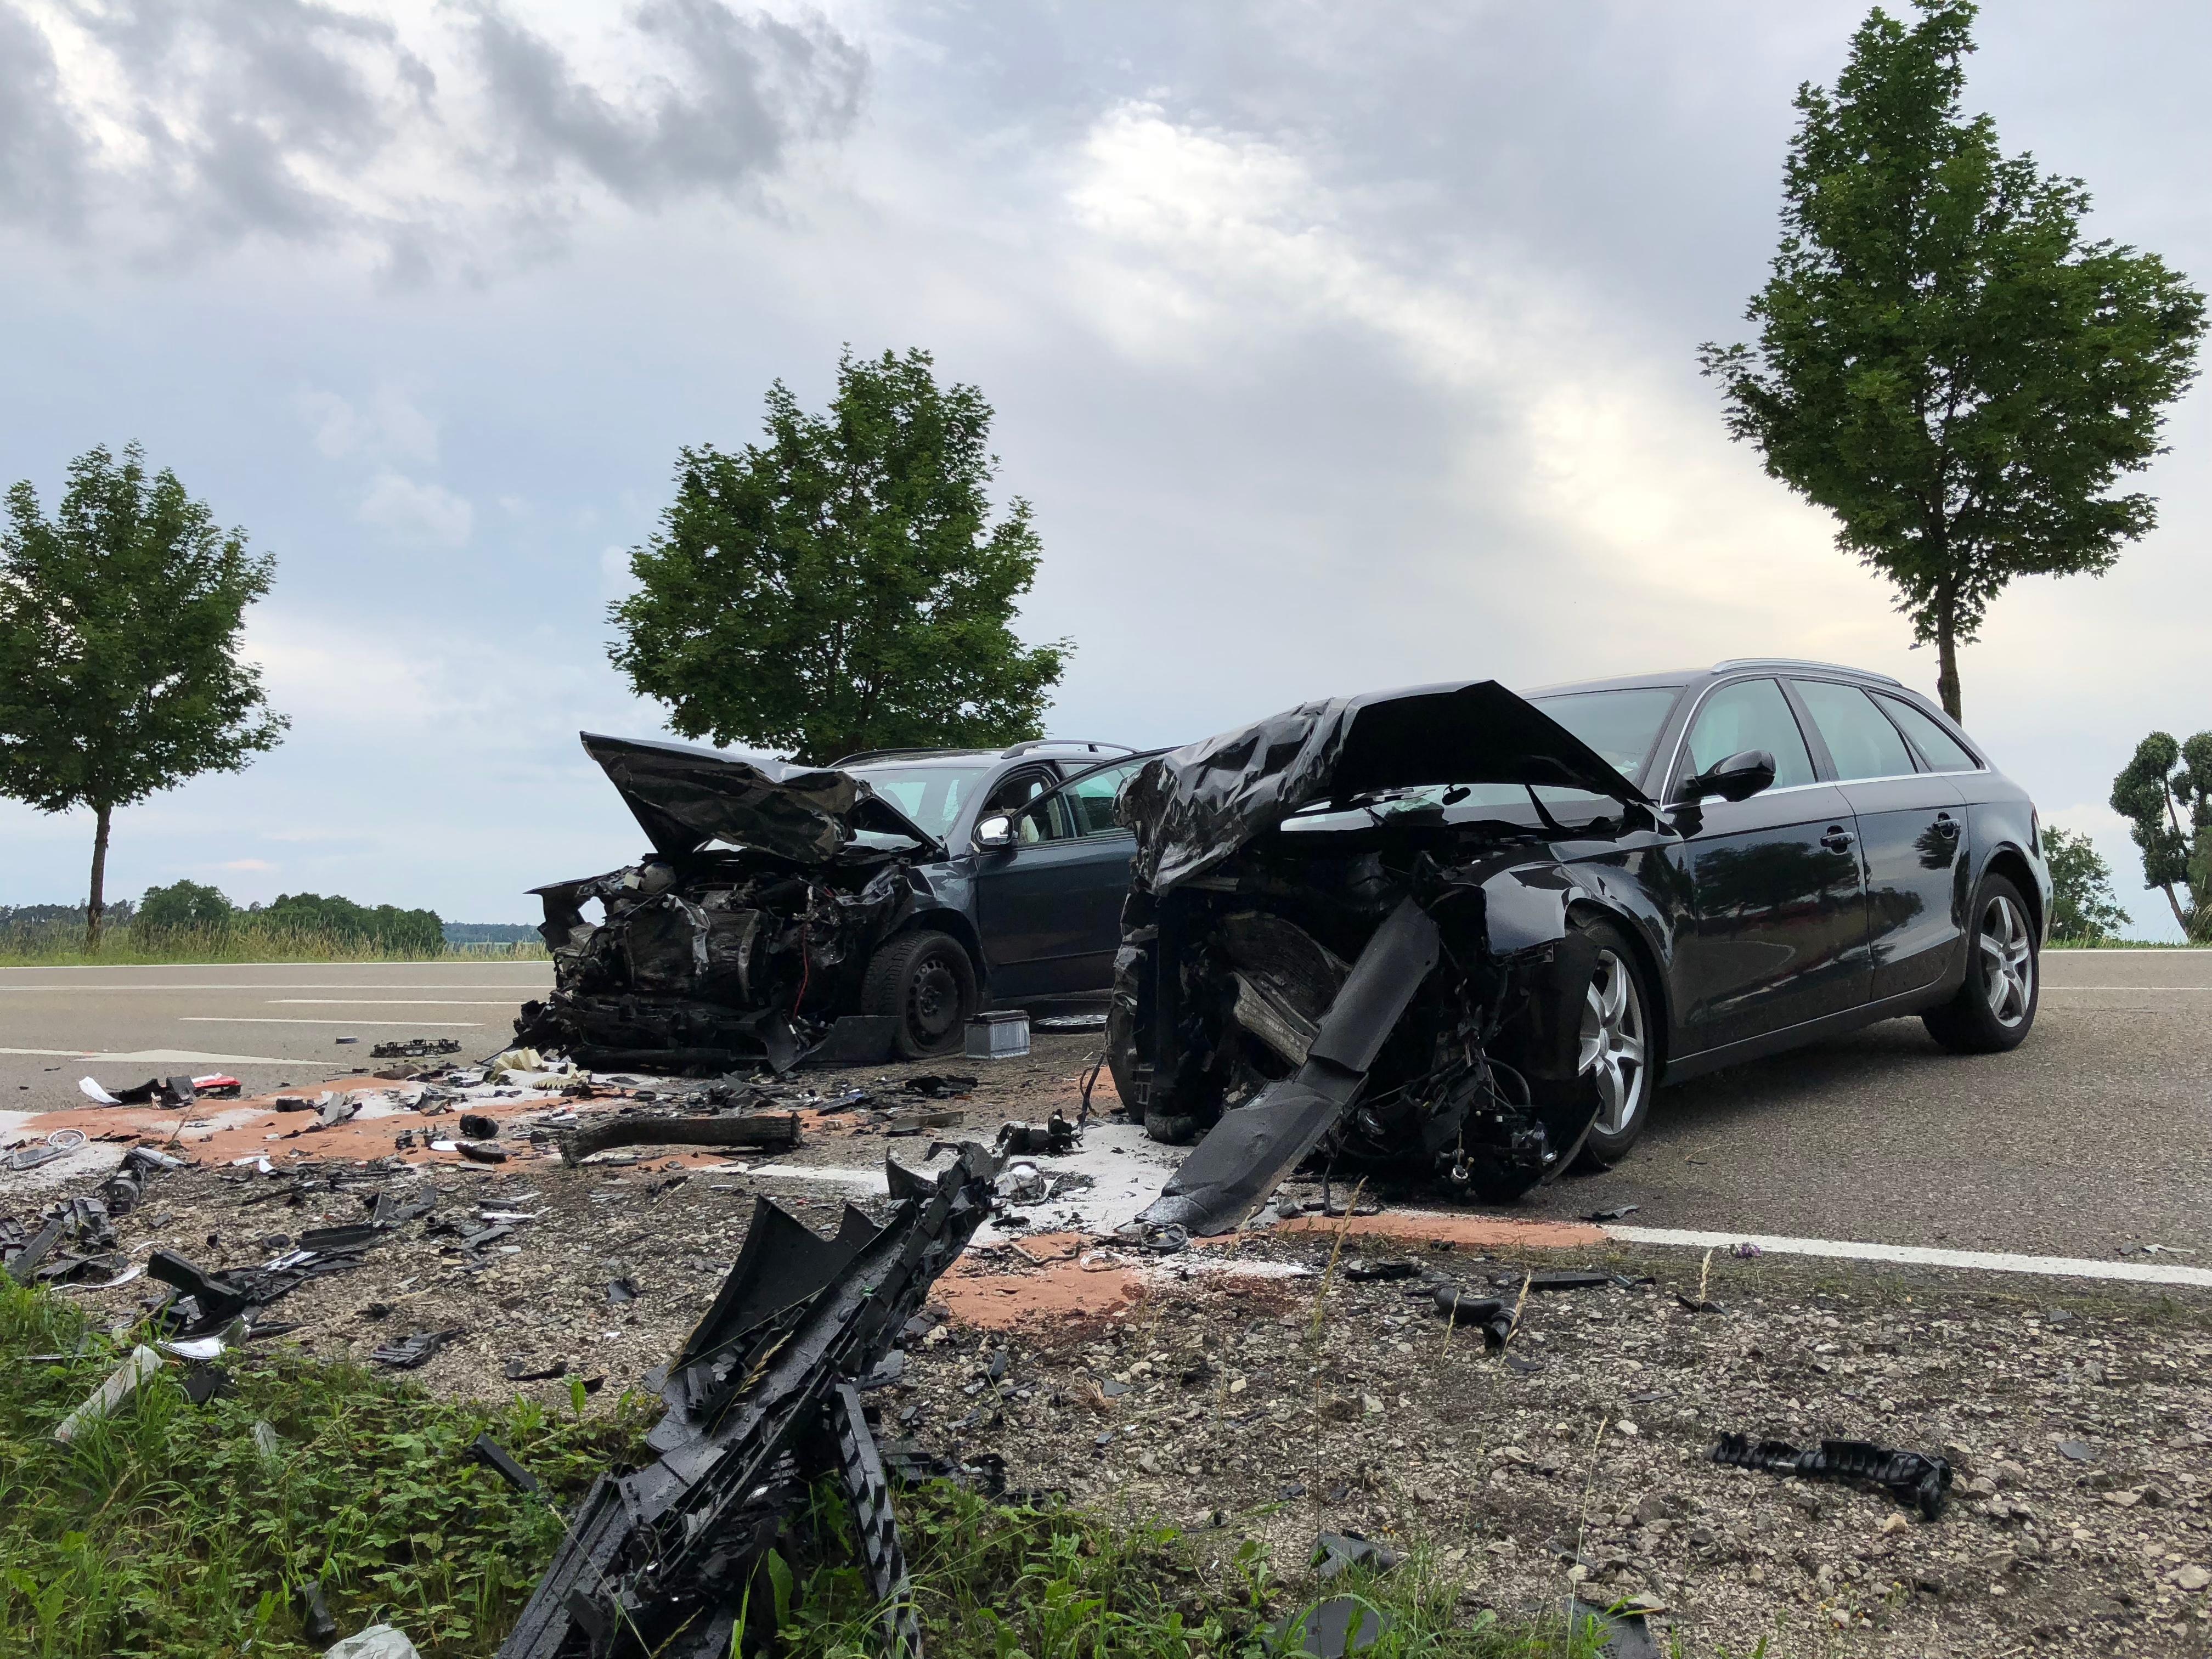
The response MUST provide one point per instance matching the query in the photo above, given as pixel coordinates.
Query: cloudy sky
(1335, 346)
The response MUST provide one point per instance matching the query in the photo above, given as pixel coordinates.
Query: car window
(1017, 792)
(1750, 714)
(1937, 747)
(1091, 798)
(1043, 820)
(1860, 741)
(931, 795)
(1621, 725)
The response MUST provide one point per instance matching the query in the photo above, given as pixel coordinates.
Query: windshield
(1621, 725)
(931, 795)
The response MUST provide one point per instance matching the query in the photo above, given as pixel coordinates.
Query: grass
(165, 1531)
(2125, 944)
(63, 946)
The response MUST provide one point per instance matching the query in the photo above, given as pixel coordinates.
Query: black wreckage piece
(766, 1131)
(1912, 1478)
(759, 1405)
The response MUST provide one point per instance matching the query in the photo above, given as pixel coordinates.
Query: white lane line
(242, 1019)
(1916, 1256)
(383, 1002)
(2048, 986)
(291, 985)
(168, 1056)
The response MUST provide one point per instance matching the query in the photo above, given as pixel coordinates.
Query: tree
(1943, 363)
(385, 926)
(182, 905)
(119, 626)
(2165, 786)
(2083, 907)
(838, 587)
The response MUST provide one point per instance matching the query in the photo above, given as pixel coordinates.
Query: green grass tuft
(243, 940)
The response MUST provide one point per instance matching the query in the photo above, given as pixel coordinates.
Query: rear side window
(1942, 752)
(1750, 714)
(1860, 741)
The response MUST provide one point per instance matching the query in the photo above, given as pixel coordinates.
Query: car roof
(1674, 679)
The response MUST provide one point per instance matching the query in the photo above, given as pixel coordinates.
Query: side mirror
(1737, 778)
(997, 832)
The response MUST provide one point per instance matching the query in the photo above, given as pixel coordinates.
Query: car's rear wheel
(1613, 1046)
(1996, 1005)
(926, 981)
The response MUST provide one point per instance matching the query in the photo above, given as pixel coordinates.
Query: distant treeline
(191, 909)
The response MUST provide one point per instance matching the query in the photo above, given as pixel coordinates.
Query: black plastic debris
(1622, 1633)
(337, 1241)
(477, 1153)
(203, 1382)
(1329, 1629)
(760, 1404)
(1334, 1552)
(315, 1621)
(415, 1351)
(1911, 1477)
(1600, 1217)
(1051, 1139)
(518, 1370)
(932, 1085)
(497, 1458)
(25, 1262)
(206, 1302)
(622, 1289)
(1565, 1279)
(165, 1092)
(890, 1369)
(1467, 1311)
(760, 1130)
(477, 1127)
(293, 1103)
(1698, 1304)
(1363, 1271)
(415, 1048)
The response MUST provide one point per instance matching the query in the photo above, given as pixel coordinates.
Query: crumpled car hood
(1194, 807)
(683, 796)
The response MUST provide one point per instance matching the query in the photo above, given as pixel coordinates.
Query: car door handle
(1838, 839)
(1946, 826)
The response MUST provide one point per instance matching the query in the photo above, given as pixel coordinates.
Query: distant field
(243, 941)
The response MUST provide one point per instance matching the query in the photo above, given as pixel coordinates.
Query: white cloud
(389, 427)
(251, 866)
(417, 512)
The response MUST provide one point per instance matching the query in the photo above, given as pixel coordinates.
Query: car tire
(1996, 1006)
(1615, 1046)
(927, 983)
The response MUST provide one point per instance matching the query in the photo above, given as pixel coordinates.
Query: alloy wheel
(2008, 960)
(1613, 1043)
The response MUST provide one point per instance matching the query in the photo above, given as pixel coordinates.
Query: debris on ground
(414, 1349)
(1911, 1477)
(761, 1402)
(760, 1130)
(377, 1642)
(141, 1364)
(415, 1048)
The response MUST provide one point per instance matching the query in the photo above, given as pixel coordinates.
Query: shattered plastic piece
(759, 1406)
(932, 1086)
(30, 1157)
(768, 1132)
(415, 1048)
(1694, 1304)
(477, 1153)
(1329, 1629)
(266, 1442)
(26, 1260)
(1053, 1138)
(1626, 1634)
(1361, 1272)
(1565, 1279)
(141, 1364)
(1600, 1217)
(89, 1087)
(622, 1290)
(1911, 1477)
(415, 1351)
(203, 1382)
(337, 1241)
(497, 1458)
(518, 1370)
(315, 1621)
(1334, 1553)
(377, 1642)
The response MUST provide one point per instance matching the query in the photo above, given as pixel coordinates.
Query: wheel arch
(2008, 861)
(1655, 977)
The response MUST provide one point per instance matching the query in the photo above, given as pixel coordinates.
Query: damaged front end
(747, 934)
(1333, 944)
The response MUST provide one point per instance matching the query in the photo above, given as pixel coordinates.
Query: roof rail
(1091, 745)
(1801, 662)
(867, 754)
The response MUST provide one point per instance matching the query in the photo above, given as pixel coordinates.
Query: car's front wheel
(1996, 1005)
(927, 982)
(1613, 1047)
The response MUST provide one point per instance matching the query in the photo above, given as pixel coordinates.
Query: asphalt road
(265, 1024)
(2094, 1134)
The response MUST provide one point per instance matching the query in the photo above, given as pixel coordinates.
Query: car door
(1777, 932)
(1048, 907)
(1912, 836)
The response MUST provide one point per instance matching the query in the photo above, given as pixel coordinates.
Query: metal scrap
(766, 1131)
(415, 1048)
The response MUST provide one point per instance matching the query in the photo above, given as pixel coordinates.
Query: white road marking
(1916, 1256)
(2048, 986)
(284, 985)
(276, 1019)
(159, 1056)
(382, 1002)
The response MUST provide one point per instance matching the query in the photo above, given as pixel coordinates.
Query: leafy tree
(119, 627)
(2167, 785)
(2083, 907)
(385, 926)
(1942, 362)
(838, 587)
(182, 904)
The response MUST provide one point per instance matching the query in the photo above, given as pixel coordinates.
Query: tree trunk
(2180, 920)
(97, 904)
(1947, 663)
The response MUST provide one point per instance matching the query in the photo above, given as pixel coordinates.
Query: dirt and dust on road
(1291, 1378)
